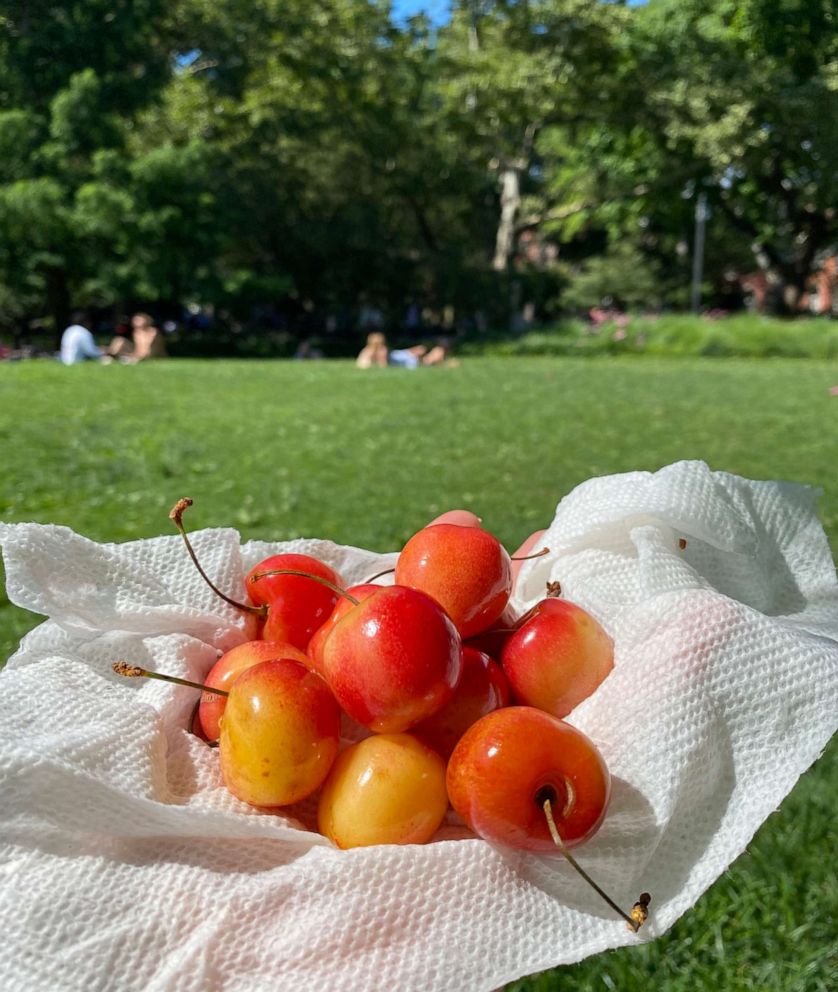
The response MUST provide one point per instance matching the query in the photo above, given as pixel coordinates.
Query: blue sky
(436, 9)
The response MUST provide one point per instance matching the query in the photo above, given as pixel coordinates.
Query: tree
(72, 78)
(517, 69)
(739, 101)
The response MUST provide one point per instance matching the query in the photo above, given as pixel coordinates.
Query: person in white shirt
(77, 343)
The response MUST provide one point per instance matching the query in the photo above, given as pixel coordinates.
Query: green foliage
(622, 277)
(180, 151)
(672, 335)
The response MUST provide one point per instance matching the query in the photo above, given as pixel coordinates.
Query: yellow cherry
(386, 789)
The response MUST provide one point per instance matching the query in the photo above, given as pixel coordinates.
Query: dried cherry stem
(372, 578)
(538, 554)
(176, 516)
(134, 671)
(639, 911)
(307, 575)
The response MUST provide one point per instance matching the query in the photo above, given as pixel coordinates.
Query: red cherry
(296, 605)
(228, 668)
(465, 569)
(289, 607)
(510, 761)
(393, 659)
(481, 689)
(315, 645)
(492, 640)
(558, 657)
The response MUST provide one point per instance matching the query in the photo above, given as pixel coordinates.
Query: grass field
(286, 449)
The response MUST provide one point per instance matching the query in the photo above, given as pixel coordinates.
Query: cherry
(481, 689)
(279, 735)
(296, 608)
(344, 605)
(393, 659)
(228, 667)
(465, 569)
(524, 779)
(290, 607)
(507, 759)
(386, 789)
(557, 657)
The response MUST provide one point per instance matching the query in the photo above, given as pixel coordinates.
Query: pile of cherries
(464, 700)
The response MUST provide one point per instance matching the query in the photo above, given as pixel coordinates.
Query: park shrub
(675, 335)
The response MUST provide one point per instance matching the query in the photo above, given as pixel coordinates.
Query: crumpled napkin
(126, 865)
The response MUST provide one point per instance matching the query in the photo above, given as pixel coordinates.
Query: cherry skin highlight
(386, 789)
(296, 606)
(557, 657)
(279, 734)
(508, 762)
(343, 606)
(465, 569)
(228, 668)
(481, 689)
(393, 660)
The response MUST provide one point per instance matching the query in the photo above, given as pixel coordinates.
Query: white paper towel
(126, 865)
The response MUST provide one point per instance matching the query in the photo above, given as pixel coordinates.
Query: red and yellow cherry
(344, 605)
(228, 667)
(393, 659)
(481, 689)
(288, 603)
(465, 569)
(279, 735)
(510, 761)
(463, 518)
(524, 779)
(386, 789)
(557, 657)
(296, 606)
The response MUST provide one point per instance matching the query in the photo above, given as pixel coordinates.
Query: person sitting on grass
(147, 342)
(375, 353)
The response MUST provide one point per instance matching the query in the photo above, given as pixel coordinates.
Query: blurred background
(299, 171)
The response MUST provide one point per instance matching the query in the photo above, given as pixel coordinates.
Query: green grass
(284, 449)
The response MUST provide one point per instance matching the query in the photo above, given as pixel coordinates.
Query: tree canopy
(316, 155)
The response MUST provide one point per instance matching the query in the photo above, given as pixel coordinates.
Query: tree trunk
(510, 202)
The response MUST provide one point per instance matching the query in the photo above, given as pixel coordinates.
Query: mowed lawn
(279, 449)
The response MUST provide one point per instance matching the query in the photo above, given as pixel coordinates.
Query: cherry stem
(538, 554)
(372, 578)
(307, 575)
(634, 922)
(176, 516)
(134, 671)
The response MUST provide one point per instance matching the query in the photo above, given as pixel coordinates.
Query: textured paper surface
(125, 864)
